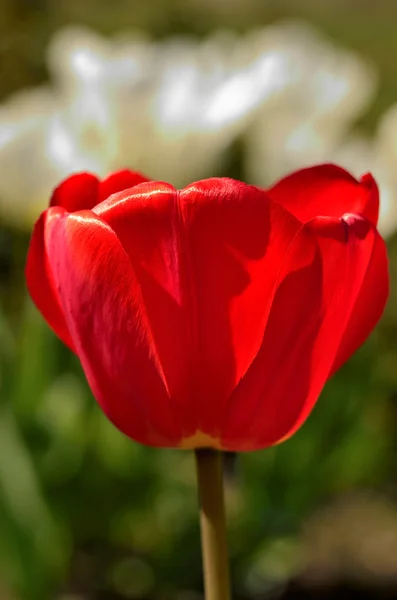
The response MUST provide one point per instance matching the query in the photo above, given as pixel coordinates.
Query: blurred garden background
(184, 89)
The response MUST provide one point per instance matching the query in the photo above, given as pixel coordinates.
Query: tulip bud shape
(210, 316)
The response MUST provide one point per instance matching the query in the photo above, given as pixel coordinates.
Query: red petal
(108, 323)
(117, 182)
(369, 305)
(84, 190)
(235, 242)
(147, 222)
(327, 190)
(207, 266)
(322, 278)
(77, 192)
(40, 280)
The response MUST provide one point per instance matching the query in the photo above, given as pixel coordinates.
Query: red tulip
(214, 315)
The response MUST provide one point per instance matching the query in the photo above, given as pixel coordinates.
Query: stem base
(209, 466)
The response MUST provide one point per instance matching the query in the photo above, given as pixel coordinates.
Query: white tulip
(378, 155)
(329, 88)
(172, 109)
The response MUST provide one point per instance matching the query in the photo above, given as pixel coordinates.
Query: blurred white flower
(183, 103)
(329, 88)
(172, 109)
(360, 154)
(24, 163)
(311, 120)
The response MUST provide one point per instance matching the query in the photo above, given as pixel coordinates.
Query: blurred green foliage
(83, 509)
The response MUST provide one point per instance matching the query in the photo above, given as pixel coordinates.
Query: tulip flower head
(211, 316)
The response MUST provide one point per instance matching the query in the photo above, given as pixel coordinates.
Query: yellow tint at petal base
(200, 440)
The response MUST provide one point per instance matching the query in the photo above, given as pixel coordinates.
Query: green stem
(209, 465)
